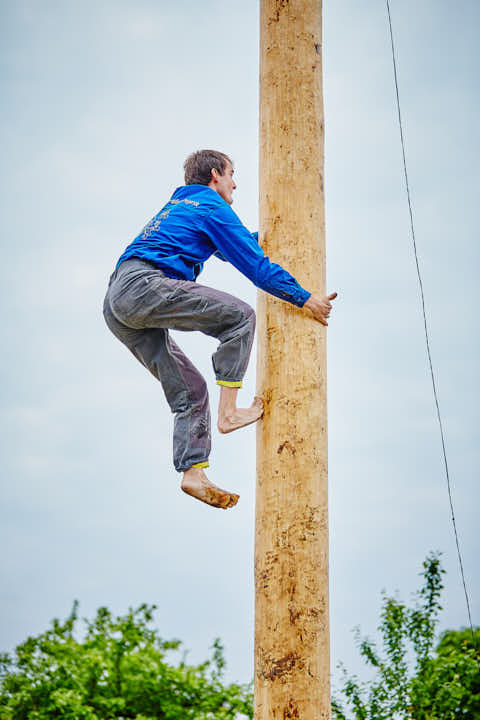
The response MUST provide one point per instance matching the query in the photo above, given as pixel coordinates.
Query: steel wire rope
(427, 339)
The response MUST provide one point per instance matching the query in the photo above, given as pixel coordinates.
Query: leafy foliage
(411, 682)
(118, 669)
(449, 685)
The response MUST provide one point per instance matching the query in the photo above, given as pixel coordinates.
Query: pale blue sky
(102, 102)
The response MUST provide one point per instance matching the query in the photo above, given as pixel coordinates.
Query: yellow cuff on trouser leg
(201, 465)
(229, 383)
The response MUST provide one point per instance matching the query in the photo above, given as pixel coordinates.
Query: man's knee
(199, 391)
(251, 317)
(246, 322)
(247, 312)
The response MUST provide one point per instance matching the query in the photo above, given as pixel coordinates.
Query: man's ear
(214, 173)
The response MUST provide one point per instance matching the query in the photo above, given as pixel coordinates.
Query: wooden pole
(292, 663)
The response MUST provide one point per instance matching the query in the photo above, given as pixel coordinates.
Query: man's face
(224, 184)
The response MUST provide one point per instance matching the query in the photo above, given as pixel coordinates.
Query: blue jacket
(197, 223)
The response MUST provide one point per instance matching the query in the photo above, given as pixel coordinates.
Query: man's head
(212, 168)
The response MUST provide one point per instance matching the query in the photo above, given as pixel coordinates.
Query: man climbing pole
(153, 289)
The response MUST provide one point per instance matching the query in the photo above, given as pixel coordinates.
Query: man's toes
(221, 498)
(224, 502)
(234, 498)
(214, 496)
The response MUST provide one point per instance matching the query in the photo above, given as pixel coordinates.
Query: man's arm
(241, 249)
(219, 255)
(235, 244)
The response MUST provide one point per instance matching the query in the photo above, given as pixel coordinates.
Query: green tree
(413, 680)
(449, 684)
(115, 668)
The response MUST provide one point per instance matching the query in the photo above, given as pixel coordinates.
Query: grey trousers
(141, 305)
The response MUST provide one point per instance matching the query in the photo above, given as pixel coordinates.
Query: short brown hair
(198, 166)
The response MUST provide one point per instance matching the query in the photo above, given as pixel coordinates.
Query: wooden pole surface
(292, 662)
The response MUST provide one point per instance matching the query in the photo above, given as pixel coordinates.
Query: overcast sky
(102, 101)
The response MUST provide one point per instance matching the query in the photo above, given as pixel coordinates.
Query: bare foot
(196, 484)
(239, 417)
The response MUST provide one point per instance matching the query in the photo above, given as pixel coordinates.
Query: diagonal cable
(427, 339)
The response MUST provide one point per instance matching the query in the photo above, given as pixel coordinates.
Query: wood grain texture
(292, 663)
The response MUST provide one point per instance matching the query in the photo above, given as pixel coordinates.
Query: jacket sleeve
(219, 255)
(239, 247)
